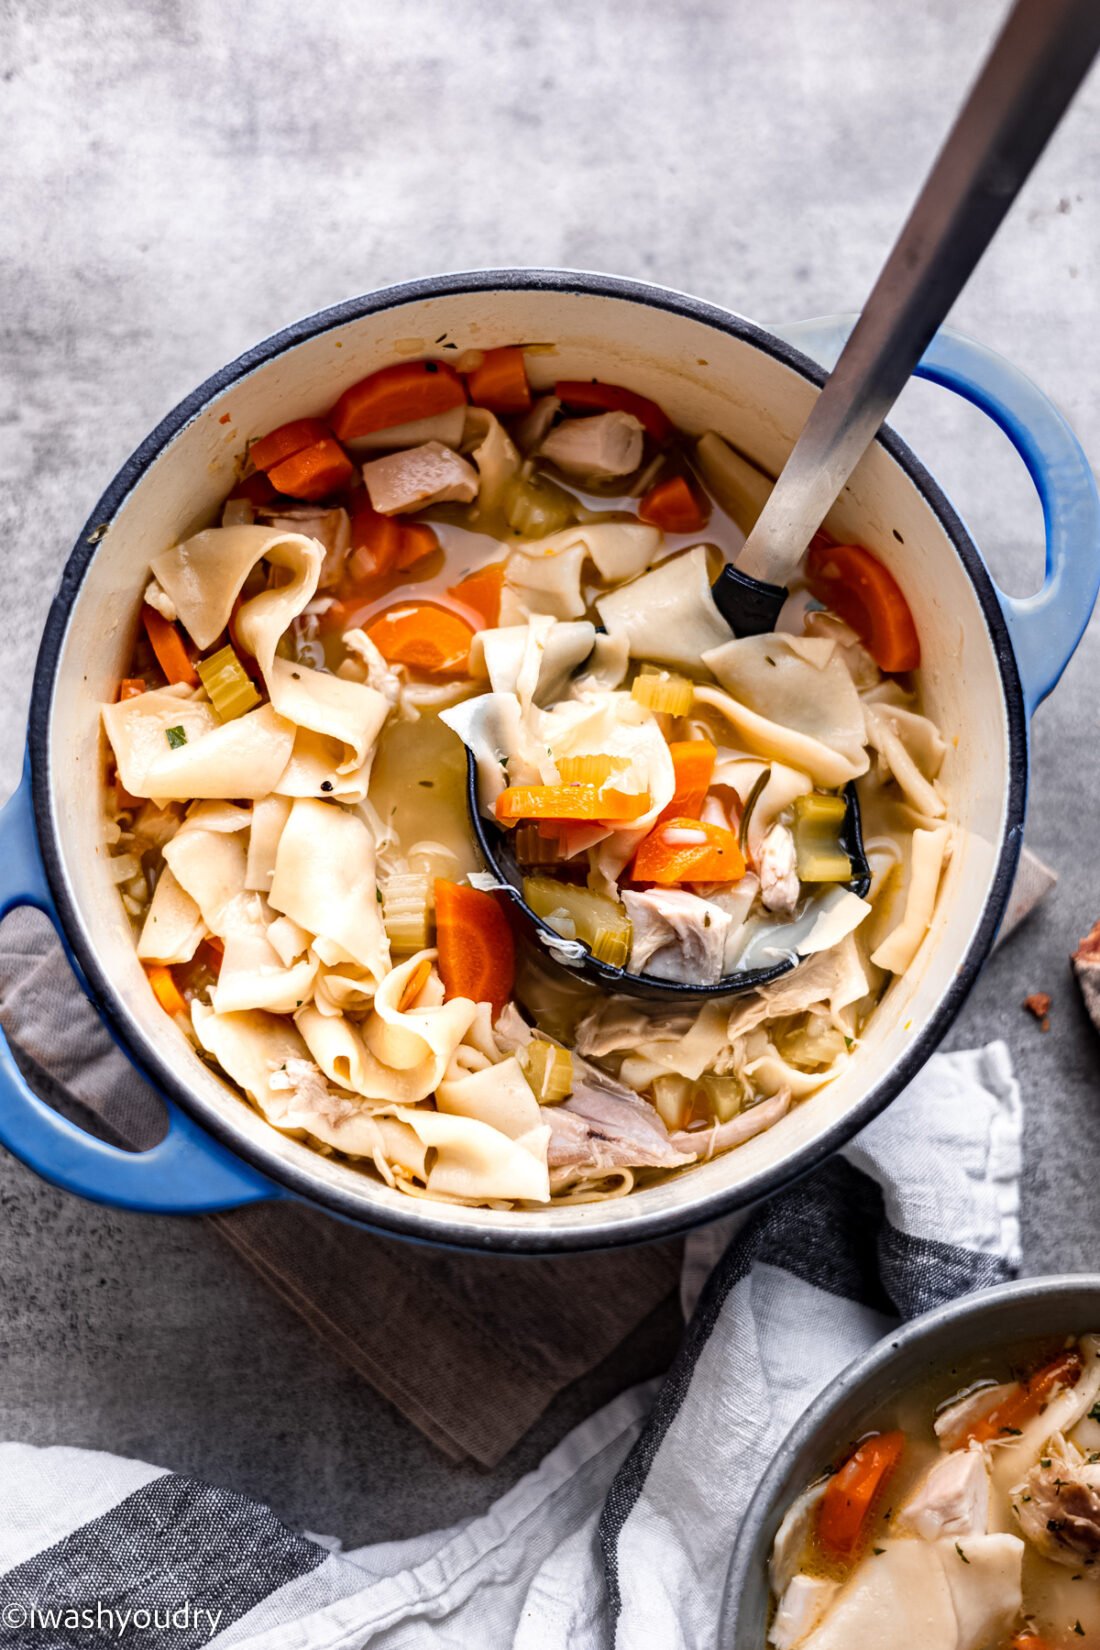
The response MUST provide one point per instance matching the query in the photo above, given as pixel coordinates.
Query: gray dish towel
(622, 1536)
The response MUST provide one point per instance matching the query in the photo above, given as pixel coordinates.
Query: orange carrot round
(674, 507)
(375, 540)
(851, 1496)
(857, 587)
(693, 764)
(574, 801)
(477, 956)
(481, 591)
(500, 383)
(686, 850)
(1027, 1400)
(423, 636)
(287, 440)
(401, 394)
(256, 488)
(168, 645)
(314, 471)
(130, 687)
(592, 396)
(167, 992)
(417, 541)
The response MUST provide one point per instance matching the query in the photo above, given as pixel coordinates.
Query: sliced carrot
(1026, 1400)
(423, 636)
(481, 591)
(287, 440)
(569, 802)
(856, 585)
(314, 471)
(168, 993)
(686, 850)
(477, 957)
(168, 645)
(130, 687)
(589, 394)
(693, 764)
(673, 506)
(376, 541)
(417, 541)
(414, 985)
(500, 383)
(401, 394)
(1027, 1640)
(845, 1511)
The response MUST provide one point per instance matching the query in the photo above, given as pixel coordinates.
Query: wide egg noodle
(173, 927)
(901, 945)
(668, 615)
(787, 701)
(252, 973)
(397, 1056)
(208, 860)
(498, 1095)
(242, 758)
(325, 880)
(478, 1163)
(533, 661)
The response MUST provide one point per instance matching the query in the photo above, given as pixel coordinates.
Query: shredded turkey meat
(1058, 1504)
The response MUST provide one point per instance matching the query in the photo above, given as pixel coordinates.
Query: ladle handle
(1040, 58)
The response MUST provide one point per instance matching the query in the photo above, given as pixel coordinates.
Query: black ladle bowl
(498, 852)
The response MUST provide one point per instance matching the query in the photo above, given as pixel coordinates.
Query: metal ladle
(1037, 63)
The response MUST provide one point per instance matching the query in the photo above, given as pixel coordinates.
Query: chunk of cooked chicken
(608, 445)
(723, 1137)
(1058, 1504)
(801, 1609)
(677, 935)
(604, 1126)
(408, 480)
(331, 529)
(779, 884)
(952, 1499)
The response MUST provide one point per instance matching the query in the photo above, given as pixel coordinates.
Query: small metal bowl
(496, 850)
(1011, 1314)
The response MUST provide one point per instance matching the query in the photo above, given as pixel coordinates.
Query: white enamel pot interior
(710, 370)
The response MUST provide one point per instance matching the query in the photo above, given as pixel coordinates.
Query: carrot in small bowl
(687, 850)
(693, 764)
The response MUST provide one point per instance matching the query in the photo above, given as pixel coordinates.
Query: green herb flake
(175, 737)
(1094, 1412)
(1078, 1629)
(878, 1551)
(961, 1554)
(1012, 1432)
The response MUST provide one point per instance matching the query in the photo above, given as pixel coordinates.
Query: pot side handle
(184, 1173)
(1046, 627)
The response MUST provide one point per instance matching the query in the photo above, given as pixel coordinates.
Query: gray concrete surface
(180, 179)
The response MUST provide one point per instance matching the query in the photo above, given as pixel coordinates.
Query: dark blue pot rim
(647, 1227)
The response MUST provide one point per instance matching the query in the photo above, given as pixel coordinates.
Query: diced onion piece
(122, 867)
(534, 508)
(722, 1097)
(588, 770)
(406, 903)
(660, 691)
(600, 922)
(818, 822)
(672, 1099)
(225, 679)
(549, 1070)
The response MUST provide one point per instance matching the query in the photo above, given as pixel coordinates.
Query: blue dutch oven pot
(988, 661)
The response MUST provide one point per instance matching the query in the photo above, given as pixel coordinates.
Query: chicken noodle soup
(969, 1519)
(453, 560)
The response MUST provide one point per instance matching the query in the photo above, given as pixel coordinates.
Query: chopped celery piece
(721, 1097)
(672, 1099)
(660, 691)
(228, 684)
(589, 770)
(533, 848)
(612, 945)
(406, 901)
(577, 913)
(535, 507)
(818, 822)
(549, 1070)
